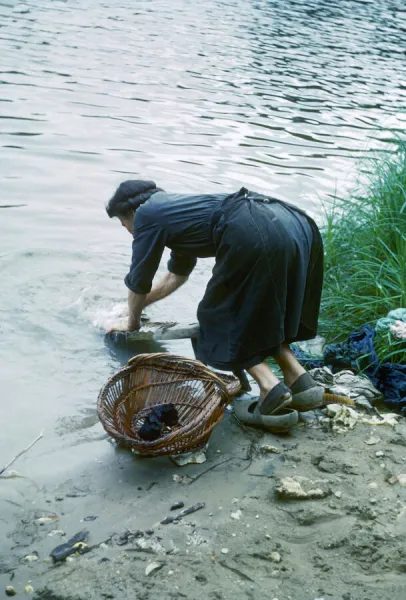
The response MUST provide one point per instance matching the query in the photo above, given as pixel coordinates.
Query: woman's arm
(168, 284)
(136, 303)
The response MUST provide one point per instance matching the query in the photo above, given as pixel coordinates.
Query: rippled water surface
(283, 97)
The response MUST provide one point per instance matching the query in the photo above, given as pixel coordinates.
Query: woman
(264, 292)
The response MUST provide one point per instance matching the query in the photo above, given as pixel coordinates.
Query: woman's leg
(265, 378)
(289, 365)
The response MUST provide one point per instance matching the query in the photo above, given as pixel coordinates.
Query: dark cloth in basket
(161, 415)
(267, 279)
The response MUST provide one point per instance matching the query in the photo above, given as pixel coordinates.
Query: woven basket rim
(157, 447)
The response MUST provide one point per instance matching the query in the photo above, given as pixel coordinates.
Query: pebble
(373, 500)
(10, 591)
(267, 449)
(236, 515)
(56, 532)
(225, 551)
(276, 557)
(380, 453)
(372, 441)
(402, 479)
(153, 568)
(31, 557)
(373, 485)
(338, 494)
(268, 537)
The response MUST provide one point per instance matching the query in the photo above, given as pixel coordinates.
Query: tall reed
(365, 251)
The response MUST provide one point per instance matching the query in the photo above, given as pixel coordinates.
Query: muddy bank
(248, 541)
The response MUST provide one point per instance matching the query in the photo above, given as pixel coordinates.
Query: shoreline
(349, 544)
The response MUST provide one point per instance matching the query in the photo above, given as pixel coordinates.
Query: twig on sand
(236, 571)
(184, 513)
(209, 469)
(21, 453)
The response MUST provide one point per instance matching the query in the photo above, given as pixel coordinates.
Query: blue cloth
(390, 379)
(305, 359)
(359, 354)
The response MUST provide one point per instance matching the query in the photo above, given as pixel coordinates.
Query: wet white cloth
(357, 387)
(398, 330)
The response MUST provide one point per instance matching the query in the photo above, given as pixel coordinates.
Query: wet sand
(348, 545)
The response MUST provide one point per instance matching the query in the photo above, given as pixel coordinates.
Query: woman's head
(127, 198)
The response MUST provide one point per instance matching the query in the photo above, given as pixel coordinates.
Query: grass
(365, 251)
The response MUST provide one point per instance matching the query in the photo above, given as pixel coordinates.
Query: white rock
(189, 458)
(31, 558)
(373, 485)
(372, 441)
(236, 515)
(153, 568)
(303, 488)
(267, 449)
(43, 520)
(56, 532)
(225, 551)
(402, 479)
(379, 454)
(338, 494)
(276, 557)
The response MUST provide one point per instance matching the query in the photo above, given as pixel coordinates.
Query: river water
(284, 97)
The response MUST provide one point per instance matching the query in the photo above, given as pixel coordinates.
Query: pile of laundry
(336, 365)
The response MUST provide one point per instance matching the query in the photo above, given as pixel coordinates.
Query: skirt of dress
(266, 283)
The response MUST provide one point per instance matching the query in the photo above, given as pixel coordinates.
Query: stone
(153, 568)
(189, 458)
(303, 488)
(267, 449)
(380, 453)
(402, 479)
(31, 557)
(225, 551)
(276, 557)
(372, 441)
(236, 515)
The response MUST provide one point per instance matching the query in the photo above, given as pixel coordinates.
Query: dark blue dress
(267, 279)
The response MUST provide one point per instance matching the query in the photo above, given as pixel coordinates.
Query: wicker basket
(199, 395)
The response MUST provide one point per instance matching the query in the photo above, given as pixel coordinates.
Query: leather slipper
(280, 418)
(306, 393)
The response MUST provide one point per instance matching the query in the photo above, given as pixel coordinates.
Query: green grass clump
(365, 251)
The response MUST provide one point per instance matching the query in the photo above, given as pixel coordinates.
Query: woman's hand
(120, 325)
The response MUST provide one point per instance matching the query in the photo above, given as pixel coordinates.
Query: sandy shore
(247, 542)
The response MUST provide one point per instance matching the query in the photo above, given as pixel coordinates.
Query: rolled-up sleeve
(147, 249)
(179, 264)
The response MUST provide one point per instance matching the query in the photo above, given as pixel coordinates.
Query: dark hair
(129, 196)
